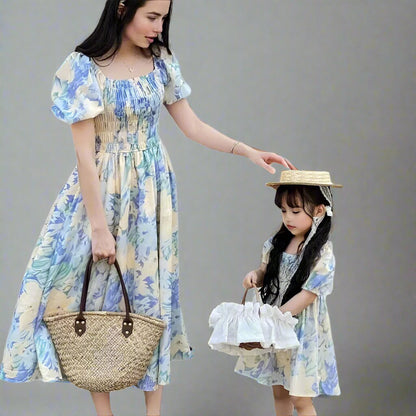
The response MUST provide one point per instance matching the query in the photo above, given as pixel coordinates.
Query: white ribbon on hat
(328, 210)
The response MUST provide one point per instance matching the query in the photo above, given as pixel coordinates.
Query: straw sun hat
(304, 177)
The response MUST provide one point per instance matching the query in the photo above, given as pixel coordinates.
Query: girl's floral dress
(138, 190)
(310, 370)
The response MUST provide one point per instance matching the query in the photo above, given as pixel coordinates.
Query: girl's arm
(103, 243)
(319, 282)
(299, 302)
(255, 277)
(200, 132)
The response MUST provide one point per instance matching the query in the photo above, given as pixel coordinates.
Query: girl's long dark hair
(105, 40)
(306, 197)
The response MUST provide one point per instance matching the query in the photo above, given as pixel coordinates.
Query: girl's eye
(296, 212)
(152, 19)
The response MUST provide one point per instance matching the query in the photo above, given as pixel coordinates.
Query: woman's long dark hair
(105, 40)
(306, 197)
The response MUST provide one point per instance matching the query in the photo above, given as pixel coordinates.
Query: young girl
(121, 199)
(296, 274)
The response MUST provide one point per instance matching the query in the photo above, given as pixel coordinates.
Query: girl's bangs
(291, 194)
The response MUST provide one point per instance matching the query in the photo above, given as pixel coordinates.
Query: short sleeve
(321, 278)
(176, 87)
(267, 248)
(76, 94)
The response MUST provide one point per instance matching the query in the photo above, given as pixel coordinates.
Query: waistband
(126, 147)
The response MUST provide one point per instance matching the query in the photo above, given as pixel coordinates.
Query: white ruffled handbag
(251, 328)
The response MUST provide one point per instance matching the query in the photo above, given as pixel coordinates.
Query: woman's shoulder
(175, 86)
(164, 53)
(75, 62)
(168, 59)
(76, 93)
(77, 57)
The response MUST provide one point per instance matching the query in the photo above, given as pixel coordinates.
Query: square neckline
(136, 78)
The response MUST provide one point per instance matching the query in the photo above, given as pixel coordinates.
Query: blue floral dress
(138, 191)
(310, 370)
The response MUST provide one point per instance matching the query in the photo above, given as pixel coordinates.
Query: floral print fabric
(139, 196)
(310, 370)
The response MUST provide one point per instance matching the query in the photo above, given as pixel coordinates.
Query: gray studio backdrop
(330, 84)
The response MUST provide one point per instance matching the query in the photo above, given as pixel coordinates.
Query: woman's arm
(103, 243)
(202, 133)
(299, 302)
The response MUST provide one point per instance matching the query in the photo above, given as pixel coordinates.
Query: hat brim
(275, 185)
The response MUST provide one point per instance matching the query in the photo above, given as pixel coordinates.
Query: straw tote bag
(104, 351)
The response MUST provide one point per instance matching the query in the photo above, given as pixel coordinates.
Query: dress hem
(292, 393)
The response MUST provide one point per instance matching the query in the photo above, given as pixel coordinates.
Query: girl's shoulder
(267, 248)
(326, 254)
(326, 258)
(320, 280)
(268, 244)
(327, 250)
(327, 247)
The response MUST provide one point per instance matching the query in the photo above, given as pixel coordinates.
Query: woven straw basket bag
(104, 351)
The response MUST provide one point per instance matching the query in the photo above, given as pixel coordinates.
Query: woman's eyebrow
(156, 14)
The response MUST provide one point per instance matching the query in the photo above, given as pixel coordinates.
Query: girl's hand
(265, 159)
(250, 280)
(103, 245)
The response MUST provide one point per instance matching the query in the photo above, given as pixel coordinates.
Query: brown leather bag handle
(80, 321)
(251, 345)
(243, 302)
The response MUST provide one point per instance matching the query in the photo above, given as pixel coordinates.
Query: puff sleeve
(267, 248)
(76, 94)
(176, 87)
(321, 278)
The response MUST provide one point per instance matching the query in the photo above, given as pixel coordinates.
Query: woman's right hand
(103, 245)
(250, 280)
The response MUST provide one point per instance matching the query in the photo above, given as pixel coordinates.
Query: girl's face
(147, 23)
(296, 220)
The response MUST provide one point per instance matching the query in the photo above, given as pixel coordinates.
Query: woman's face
(147, 23)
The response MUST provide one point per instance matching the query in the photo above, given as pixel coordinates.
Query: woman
(120, 198)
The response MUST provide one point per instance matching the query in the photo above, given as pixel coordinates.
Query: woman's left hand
(265, 159)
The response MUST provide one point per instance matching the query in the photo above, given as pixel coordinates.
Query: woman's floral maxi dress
(139, 196)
